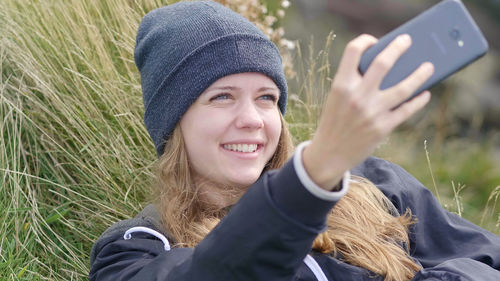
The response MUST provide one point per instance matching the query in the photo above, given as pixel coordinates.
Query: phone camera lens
(455, 34)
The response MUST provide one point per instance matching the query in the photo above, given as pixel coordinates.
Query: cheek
(196, 142)
(196, 123)
(191, 129)
(274, 128)
(200, 130)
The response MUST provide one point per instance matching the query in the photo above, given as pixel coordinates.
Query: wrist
(312, 187)
(328, 177)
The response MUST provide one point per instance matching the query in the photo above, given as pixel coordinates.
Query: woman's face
(232, 129)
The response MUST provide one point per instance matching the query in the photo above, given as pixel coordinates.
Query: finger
(352, 55)
(384, 61)
(408, 109)
(406, 88)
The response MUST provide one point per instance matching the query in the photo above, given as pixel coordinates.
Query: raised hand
(357, 115)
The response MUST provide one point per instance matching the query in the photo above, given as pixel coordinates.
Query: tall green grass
(74, 154)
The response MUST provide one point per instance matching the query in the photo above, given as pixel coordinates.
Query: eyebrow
(261, 89)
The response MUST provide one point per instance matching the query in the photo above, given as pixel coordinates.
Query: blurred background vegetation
(461, 125)
(75, 156)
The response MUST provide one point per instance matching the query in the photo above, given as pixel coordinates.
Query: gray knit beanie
(183, 48)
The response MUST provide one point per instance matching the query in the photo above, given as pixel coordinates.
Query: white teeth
(241, 147)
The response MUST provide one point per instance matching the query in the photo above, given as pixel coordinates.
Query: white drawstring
(128, 235)
(315, 268)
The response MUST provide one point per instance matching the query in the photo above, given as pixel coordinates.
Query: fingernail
(428, 66)
(405, 38)
(427, 96)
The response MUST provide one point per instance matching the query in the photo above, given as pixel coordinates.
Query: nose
(248, 116)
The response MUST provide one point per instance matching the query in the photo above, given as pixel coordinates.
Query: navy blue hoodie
(268, 235)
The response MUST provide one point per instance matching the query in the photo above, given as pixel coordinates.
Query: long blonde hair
(361, 228)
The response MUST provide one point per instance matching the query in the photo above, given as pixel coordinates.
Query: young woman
(235, 204)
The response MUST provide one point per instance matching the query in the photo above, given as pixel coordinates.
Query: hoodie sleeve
(257, 240)
(445, 244)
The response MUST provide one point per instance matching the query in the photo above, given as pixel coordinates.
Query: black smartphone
(445, 35)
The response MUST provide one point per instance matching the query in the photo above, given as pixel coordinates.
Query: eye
(221, 96)
(269, 97)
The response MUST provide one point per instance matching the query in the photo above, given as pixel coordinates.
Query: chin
(241, 174)
(244, 181)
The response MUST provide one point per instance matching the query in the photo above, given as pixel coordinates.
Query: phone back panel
(436, 35)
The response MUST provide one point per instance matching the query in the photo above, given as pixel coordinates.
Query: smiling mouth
(247, 148)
